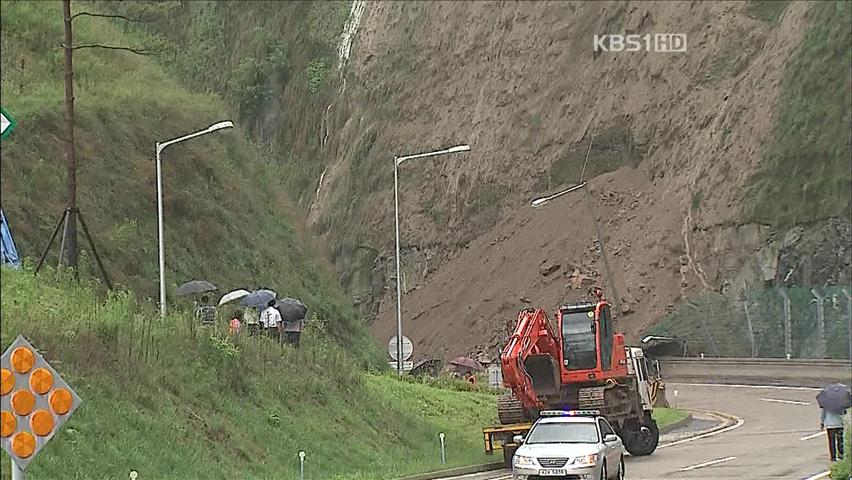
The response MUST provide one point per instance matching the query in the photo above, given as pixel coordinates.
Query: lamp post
(541, 201)
(160, 147)
(396, 162)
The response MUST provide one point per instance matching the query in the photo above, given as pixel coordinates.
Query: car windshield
(563, 433)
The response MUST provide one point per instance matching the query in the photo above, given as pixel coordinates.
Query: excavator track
(510, 410)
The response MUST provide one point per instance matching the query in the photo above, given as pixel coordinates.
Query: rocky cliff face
(675, 143)
(712, 170)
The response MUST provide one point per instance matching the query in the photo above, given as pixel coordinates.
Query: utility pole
(70, 232)
(788, 334)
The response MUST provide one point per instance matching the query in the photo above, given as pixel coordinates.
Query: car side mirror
(518, 439)
(610, 437)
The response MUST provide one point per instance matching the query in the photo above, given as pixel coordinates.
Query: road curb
(673, 426)
(456, 472)
(726, 421)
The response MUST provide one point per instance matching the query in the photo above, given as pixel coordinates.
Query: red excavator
(583, 365)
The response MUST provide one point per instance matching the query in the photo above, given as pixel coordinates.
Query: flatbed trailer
(501, 437)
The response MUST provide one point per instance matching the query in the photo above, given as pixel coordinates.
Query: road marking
(812, 436)
(739, 424)
(733, 385)
(778, 400)
(818, 476)
(707, 464)
(480, 475)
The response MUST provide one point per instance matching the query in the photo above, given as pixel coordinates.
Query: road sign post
(7, 123)
(407, 350)
(34, 403)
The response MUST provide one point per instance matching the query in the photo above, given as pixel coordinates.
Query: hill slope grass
(227, 217)
(177, 403)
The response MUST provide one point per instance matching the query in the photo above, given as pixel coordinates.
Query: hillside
(721, 171)
(228, 217)
(171, 403)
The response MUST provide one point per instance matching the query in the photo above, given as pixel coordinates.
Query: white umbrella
(231, 296)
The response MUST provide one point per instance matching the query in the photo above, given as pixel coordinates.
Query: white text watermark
(656, 42)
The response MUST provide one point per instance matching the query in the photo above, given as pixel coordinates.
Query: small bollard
(441, 436)
(702, 354)
(133, 475)
(788, 356)
(675, 393)
(301, 465)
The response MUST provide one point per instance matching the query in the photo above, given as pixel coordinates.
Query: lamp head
(220, 125)
(538, 202)
(459, 148)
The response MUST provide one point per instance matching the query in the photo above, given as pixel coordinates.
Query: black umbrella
(291, 309)
(195, 286)
(259, 298)
(835, 398)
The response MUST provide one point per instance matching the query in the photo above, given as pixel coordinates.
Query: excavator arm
(530, 360)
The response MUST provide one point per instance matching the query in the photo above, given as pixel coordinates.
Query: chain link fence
(794, 322)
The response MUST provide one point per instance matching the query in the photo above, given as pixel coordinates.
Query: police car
(569, 445)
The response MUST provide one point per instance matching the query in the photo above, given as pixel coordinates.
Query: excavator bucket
(544, 372)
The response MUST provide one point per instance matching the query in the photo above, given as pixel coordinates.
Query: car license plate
(553, 472)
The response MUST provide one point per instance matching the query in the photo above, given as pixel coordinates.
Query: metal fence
(797, 322)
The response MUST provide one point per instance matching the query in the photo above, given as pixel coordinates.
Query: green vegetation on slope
(807, 174)
(270, 60)
(200, 406)
(227, 219)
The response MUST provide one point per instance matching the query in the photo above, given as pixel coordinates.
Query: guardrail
(756, 371)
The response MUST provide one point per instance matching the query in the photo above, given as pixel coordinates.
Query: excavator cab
(588, 341)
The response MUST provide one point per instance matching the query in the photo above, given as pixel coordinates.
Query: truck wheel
(639, 442)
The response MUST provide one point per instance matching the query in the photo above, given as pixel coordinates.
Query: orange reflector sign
(41, 381)
(22, 359)
(7, 424)
(41, 423)
(23, 402)
(61, 401)
(35, 402)
(7, 381)
(23, 444)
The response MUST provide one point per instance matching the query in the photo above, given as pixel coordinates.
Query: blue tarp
(9, 252)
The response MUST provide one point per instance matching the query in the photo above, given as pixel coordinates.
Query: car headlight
(585, 460)
(521, 461)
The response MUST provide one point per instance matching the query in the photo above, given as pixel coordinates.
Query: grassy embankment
(176, 404)
(227, 216)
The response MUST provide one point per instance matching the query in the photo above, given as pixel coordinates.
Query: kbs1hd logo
(657, 42)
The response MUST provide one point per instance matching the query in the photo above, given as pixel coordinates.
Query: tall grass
(179, 402)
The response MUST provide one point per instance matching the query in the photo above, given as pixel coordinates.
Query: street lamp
(541, 201)
(160, 148)
(396, 162)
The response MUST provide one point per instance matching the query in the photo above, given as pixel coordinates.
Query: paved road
(778, 438)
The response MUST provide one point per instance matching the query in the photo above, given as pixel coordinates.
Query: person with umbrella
(205, 312)
(293, 313)
(270, 318)
(834, 400)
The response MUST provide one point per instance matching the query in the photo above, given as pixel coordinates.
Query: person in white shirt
(269, 320)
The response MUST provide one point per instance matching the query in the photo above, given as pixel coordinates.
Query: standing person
(234, 324)
(832, 423)
(270, 318)
(205, 312)
(292, 332)
(251, 320)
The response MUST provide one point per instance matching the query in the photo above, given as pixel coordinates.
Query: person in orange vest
(234, 324)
